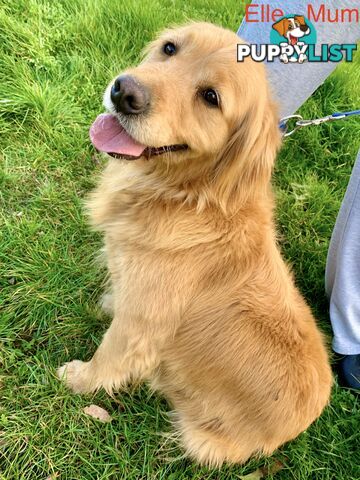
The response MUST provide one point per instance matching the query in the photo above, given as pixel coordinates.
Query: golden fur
(203, 305)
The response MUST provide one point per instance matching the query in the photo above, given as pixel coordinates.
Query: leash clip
(318, 121)
(300, 122)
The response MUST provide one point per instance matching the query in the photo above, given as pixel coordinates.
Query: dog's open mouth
(293, 40)
(107, 135)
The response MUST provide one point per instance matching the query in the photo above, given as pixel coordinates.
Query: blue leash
(300, 122)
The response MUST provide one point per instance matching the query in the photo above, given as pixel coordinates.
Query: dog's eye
(169, 49)
(211, 97)
(290, 27)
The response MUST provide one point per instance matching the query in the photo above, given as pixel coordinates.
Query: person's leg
(343, 268)
(342, 281)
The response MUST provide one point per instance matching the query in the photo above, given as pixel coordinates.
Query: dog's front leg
(147, 301)
(129, 350)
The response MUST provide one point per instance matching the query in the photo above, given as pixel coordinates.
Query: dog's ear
(300, 19)
(281, 26)
(244, 169)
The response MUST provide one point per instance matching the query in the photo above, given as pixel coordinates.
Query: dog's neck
(129, 192)
(201, 185)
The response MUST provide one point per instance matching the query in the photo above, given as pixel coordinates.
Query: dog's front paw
(76, 376)
(302, 58)
(284, 58)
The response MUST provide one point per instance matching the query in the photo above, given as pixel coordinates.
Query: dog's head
(190, 102)
(292, 28)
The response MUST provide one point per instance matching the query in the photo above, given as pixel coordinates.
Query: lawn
(56, 57)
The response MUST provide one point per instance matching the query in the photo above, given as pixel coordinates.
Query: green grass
(56, 58)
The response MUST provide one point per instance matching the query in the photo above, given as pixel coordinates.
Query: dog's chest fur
(131, 210)
(152, 237)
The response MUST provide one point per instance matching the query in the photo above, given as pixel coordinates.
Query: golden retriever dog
(203, 305)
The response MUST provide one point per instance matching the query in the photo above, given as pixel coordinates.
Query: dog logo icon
(292, 28)
(293, 39)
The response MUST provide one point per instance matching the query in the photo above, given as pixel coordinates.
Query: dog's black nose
(303, 28)
(129, 96)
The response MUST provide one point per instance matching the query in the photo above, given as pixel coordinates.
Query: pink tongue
(107, 135)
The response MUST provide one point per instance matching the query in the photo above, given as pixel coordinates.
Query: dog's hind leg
(212, 448)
